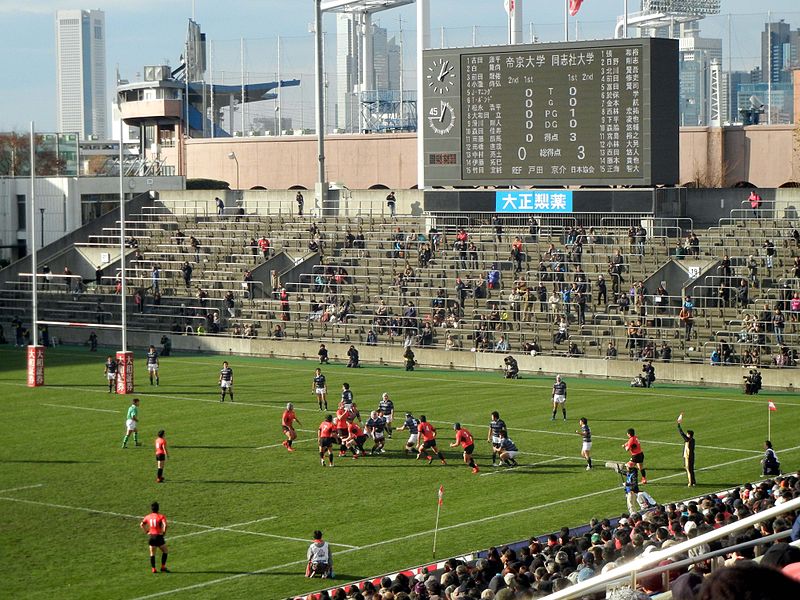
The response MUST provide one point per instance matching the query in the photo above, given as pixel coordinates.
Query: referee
(688, 452)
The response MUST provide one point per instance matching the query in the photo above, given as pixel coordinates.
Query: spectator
(372, 338)
(300, 201)
(220, 206)
(186, 270)
(98, 276)
(391, 203)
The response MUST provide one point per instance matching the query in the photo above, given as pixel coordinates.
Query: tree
(15, 156)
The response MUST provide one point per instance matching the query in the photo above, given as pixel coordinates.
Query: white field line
(430, 531)
(281, 444)
(505, 469)
(139, 517)
(281, 407)
(84, 408)
(24, 487)
(225, 528)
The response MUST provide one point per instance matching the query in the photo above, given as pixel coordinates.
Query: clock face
(441, 75)
(442, 118)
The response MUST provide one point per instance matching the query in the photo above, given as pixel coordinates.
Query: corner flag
(574, 7)
(441, 494)
(770, 405)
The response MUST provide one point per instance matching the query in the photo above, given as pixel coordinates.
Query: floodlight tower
(656, 14)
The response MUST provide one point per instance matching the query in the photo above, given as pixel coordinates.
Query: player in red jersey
(155, 524)
(355, 440)
(428, 445)
(340, 421)
(287, 422)
(326, 436)
(637, 454)
(464, 439)
(161, 456)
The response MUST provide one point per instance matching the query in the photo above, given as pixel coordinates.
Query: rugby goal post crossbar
(75, 324)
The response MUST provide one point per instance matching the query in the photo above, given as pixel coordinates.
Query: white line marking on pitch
(430, 531)
(224, 528)
(84, 408)
(205, 527)
(279, 445)
(536, 464)
(24, 487)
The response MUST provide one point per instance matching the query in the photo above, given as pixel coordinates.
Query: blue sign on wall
(538, 201)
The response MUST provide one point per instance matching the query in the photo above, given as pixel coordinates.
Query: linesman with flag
(688, 451)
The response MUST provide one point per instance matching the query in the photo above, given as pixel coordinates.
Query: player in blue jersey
(320, 388)
(497, 427)
(411, 424)
(226, 381)
(386, 407)
(586, 448)
(111, 372)
(508, 451)
(152, 364)
(375, 428)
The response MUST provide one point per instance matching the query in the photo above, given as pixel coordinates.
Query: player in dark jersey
(464, 439)
(411, 424)
(428, 446)
(348, 403)
(386, 407)
(559, 397)
(375, 427)
(508, 451)
(586, 448)
(326, 437)
(152, 364)
(637, 454)
(496, 427)
(111, 372)
(226, 381)
(320, 388)
(155, 524)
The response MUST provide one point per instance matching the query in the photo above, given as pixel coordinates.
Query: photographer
(511, 367)
(752, 382)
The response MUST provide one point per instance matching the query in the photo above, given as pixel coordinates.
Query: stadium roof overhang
(361, 6)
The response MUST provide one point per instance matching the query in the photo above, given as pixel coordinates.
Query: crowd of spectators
(555, 562)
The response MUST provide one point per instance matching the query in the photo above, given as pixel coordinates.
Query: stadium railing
(634, 570)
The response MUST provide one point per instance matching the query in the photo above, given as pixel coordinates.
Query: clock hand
(443, 106)
(442, 72)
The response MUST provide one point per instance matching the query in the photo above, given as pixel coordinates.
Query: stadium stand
(580, 286)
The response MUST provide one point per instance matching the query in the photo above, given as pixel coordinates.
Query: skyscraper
(780, 52)
(81, 72)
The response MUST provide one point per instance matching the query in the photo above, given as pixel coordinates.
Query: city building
(780, 52)
(697, 55)
(361, 85)
(81, 72)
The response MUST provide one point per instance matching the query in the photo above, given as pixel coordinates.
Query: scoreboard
(583, 113)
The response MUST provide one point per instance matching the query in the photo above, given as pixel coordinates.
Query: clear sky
(141, 32)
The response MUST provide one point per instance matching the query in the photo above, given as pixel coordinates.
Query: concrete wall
(764, 155)
(697, 374)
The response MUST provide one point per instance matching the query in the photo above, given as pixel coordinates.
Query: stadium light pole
(232, 156)
(321, 191)
(123, 282)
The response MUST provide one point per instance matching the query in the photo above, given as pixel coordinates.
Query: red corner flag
(574, 7)
(770, 404)
(441, 493)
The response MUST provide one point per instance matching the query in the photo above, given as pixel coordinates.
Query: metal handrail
(637, 566)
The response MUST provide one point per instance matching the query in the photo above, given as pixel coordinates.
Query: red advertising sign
(125, 372)
(35, 366)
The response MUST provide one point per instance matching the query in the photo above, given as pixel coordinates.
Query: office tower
(81, 72)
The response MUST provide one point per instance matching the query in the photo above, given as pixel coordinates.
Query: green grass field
(242, 509)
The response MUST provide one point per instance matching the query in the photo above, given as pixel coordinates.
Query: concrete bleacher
(391, 246)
